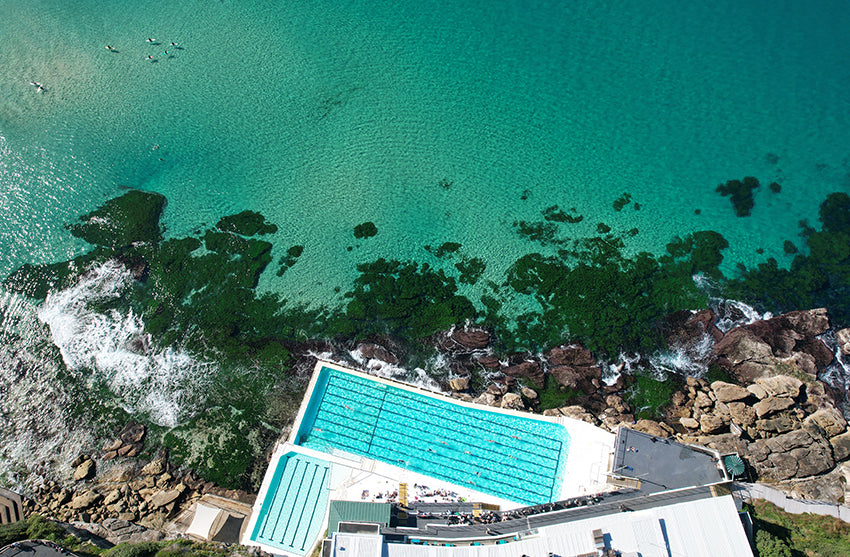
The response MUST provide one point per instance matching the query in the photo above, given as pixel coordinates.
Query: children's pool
(508, 456)
(294, 507)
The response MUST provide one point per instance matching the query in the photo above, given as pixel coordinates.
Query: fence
(750, 491)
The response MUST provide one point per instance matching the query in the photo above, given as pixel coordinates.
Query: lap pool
(502, 454)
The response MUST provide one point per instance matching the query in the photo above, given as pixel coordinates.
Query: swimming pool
(511, 457)
(294, 507)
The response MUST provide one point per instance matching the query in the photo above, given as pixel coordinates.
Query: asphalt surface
(662, 464)
(33, 549)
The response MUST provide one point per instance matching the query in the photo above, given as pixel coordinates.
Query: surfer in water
(150, 40)
(110, 47)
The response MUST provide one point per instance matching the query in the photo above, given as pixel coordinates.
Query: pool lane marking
(274, 499)
(496, 420)
(304, 506)
(485, 456)
(370, 387)
(463, 474)
(444, 405)
(313, 514)
(377, 418)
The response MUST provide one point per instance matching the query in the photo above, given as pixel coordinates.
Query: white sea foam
(164, 384)
(417, 377)
(37, 433)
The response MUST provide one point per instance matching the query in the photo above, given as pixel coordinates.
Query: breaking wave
(38, 434)
(165, 384)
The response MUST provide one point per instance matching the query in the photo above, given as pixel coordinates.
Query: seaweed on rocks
(446, 248)
(741, 192)
(470, 269)
(246, 223)
(365, 230)
(555, 214)
(287, 261)
(542, 232)
(820, 278)
(404, 299)
(122, 221)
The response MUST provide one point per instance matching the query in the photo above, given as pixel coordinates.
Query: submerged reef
(741, 193)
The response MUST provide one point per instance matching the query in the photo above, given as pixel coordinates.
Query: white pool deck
(357, 478)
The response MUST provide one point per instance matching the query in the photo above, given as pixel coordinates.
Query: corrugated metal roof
(357, 511)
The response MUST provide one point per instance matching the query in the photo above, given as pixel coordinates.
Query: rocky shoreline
(773, 410)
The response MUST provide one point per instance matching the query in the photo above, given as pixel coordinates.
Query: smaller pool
(294, 507)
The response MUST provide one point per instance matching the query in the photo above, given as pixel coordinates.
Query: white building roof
(703, 528)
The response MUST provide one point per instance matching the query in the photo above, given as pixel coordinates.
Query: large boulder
(163, 498)
(711, 423)
(826, 488)
(768, 347)
(459, 383)
(133, 433)
(575, 412)
(728, 392)
(529, 369)
(372, 351)
(780, 385)
(842, 338)
(771, 405)
(573, 355)
(512, 401)
(687, 328)
(576, 379)
(653, 428)
(85, 500)
(742, 414)
(829, 420)
(778, 423)
(840, 446)
(85, 470)
(464, 339)
(741, 345)
(797, 454)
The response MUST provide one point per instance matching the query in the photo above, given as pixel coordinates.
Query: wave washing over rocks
(166, 385)
(37, 430)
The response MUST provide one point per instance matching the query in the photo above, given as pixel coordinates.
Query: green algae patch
(404, 299)
(555, 214)
(470, 270)
(291, 258)
(365, 230)
(133, 217)
(740, 193)
(590, 292)
(649, 395)
(820, 278)
(544, 233)
(446, 248)
(622, 201)
(246, 223)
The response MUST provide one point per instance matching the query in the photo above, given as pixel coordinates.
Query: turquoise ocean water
(326, 114)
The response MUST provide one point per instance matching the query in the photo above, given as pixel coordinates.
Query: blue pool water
(294, 507)
(511, 457)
